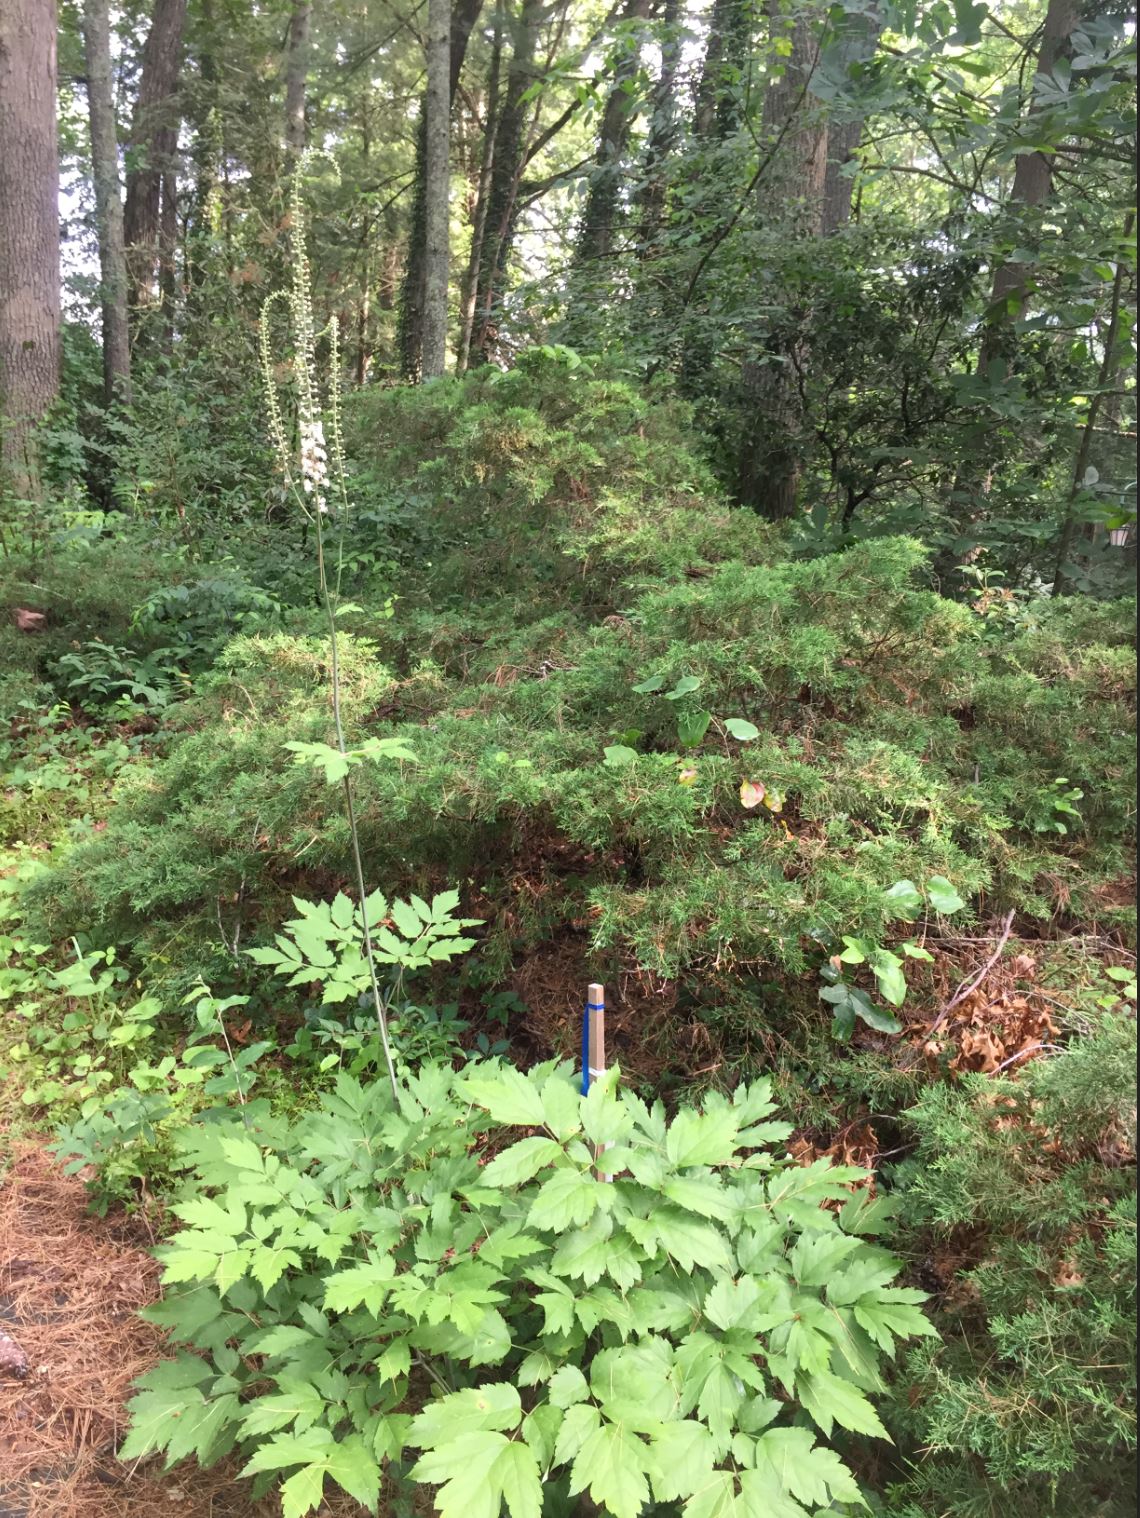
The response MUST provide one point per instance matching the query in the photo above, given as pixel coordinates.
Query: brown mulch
(643, 1034)
(70, 1289)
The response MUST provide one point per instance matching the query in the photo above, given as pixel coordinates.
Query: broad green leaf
(828, 1400)
(462, 1469)
(302, 1492)
(618, 755)
(905, 899)
(517, 1476)
(520, 1162)
(692, 727)
(943, 897)
(352, 1466)
(702, 1138)
(683, 1459)
(741, 729)
(568, 1199)
(579, 1422)
(367, 1284)
(568, 1386)
(484, 1407)
(612, 1464)
(507, 1095)
(730, 1303)
(891, 978)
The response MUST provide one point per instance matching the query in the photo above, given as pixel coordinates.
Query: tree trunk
(208, 151)
(662, 138)
(506, 175)
(1009, 294)
(857, 45)
(413, 293)
(29, 233)
(153, 144)
(1032, 186)
(482, 195)
(1109, 368)
(108, 203)
(595, 238)
(770, 463)
(437, 184)
(296, 78)
(727, 50)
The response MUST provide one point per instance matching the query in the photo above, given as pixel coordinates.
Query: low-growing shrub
(1021, 1199)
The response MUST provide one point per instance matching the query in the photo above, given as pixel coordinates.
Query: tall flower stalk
(314, 473)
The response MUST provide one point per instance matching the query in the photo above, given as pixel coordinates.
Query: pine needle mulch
(70, 1289)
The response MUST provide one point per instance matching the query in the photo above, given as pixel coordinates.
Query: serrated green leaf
(302, 1492)
(520, 1162)
(828, 1399)
(507, 1095)
(612, 1465)
(683, 1459)
(496, 1406)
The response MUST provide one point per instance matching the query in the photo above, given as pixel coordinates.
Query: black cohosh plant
(314, 474)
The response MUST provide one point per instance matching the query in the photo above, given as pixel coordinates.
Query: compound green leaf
(612, 1464)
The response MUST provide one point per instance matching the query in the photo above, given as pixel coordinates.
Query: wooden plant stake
(596, 1049)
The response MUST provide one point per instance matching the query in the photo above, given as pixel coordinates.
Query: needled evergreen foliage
(594, 659)
(1023, 1195)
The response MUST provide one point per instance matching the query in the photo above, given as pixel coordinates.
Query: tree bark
(506, 176)
(860, 38)
(29, 233)
(727, 50)
(1009, 293)
(437, 184)
(482, 195)
(662, 138)
(153, 144)
(108, 203)
(770, 462)
(296, 78)
(595, 238)
(1032, 186)
(1109, 367)
(413, 292)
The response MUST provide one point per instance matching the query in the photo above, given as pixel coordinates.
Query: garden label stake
(594, 1048)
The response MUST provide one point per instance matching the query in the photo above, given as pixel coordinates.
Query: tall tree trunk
(296, 78)
(727, 51)
(413, 293)
(437, 185)
(482, 195)
(29, 233)
(207, 153)
(857, 45)
(1032, 186)
(1009, 293)
(595, 237)
(108, 203)
(770, 463)
(506, 175)
(153, 143)
(662, 138)
(1109, 368)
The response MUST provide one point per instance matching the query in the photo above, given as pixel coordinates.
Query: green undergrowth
(650, 746)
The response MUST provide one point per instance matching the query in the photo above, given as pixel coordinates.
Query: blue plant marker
(591, 1006)
(586, 1050)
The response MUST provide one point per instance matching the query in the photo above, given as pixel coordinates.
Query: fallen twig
(964, 990)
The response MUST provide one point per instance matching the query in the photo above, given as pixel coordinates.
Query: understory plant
(446, 1290)
(1021, 1196)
